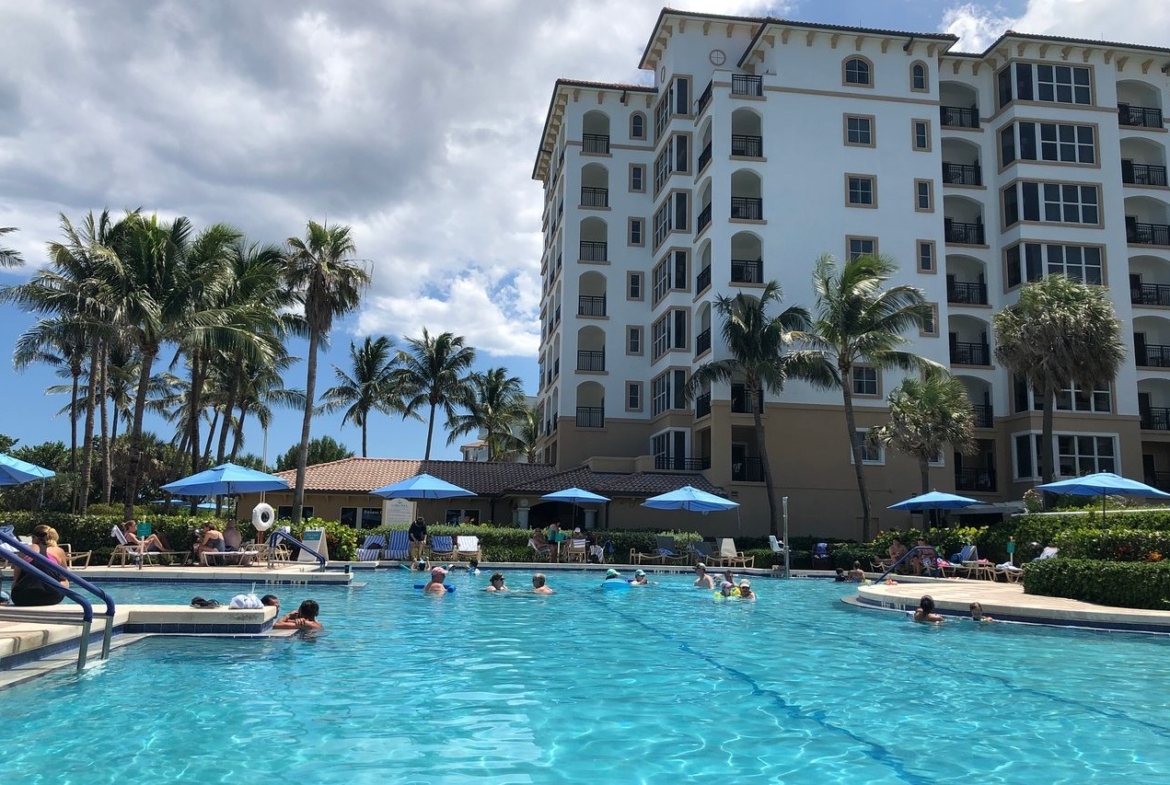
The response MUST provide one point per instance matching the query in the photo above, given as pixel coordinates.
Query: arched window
(637, 126)
(918, 79)
(858, 72)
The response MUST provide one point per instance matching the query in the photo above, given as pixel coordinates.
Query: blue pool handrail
(45, 570)
(905, 556)
(281, 534)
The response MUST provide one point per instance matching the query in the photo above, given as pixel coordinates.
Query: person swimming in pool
(924, 613)
(496, 582)
(612, 575)
(727, 589)
(702, 579)
(745, 590)
(640, 579)
(303, 618)
(539, 584)
(436, 585)
(977, 613)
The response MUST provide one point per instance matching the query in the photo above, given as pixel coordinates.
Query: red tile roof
(617, 483)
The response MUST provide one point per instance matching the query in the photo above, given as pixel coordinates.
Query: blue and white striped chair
(373, 548)
(399, 547)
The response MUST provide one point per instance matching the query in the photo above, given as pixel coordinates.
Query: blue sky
(414, 121)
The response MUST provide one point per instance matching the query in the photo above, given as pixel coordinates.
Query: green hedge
(1126, 545)
(1120, 584)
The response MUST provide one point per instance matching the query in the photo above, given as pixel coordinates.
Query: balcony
(1160, 480)
(1143, 174)
(595, 143)
(594, 251)
(705, 98)
(747, 271)
(703, 220)
(705, 157)
(963, 233)
(958, 117)
(1147, 234)
(967, 293)
(746, 84)
(747, 208)
(590, 417)
(970, 353)
(703, 342)
(741, 404)
(1156, 419)
(681, 464)
(1139, 116)
(1152, 355)
(556, 368)
(961, 174)
(1150, 294)
(747, 470)
(984, 415)
(746, 146)
(594, 197)
(975, 480)
(591, 305)
(590, 360)
(703, 405)
(703, 279)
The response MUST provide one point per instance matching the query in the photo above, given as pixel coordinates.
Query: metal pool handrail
(283, 535)
(905, 556)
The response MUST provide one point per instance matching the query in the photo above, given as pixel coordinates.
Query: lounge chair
(398, 547)
(960, 564)
(669, 551)
(1010, 572)
(442, 547)
(543, 548)
(701, 553)
(124, 550)
(467, 547)
(779, 550)
(577, 550)
(1048, 553)
(730, 557)
(373, 548)
(821, 560)
(77, 561)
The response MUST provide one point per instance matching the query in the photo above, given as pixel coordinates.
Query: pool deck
(1006, 602)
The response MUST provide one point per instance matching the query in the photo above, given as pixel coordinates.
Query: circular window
(717, 57)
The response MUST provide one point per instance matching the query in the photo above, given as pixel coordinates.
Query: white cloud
(1135, 21)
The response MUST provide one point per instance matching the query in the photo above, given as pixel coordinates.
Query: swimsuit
(28, 590)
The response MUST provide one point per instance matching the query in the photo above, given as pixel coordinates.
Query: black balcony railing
(747, 146)
(1160, 480)
(1147, 234)
(746, 84)
(969, 293)
(970, 354)
(594, 251)
(749, 208)
(741, 403)
(1141, 116)
(703, 279)
(680, 464)
(963, 233)
(975, 480)
(984, 415)
(747, 271)
(703, 219)
(594, 197)
(1156, 419)
(590, 417)
(961, 174)
(959, 117)
(1153, 355)
(590, 305)
(705, 98)
(703, 405)
(1143, 174)
(590, 360)
(703, 341)
(705, 157)
(1150, 294)
(595, 143)
(747, 470)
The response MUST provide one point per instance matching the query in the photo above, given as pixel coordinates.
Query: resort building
(759, 144)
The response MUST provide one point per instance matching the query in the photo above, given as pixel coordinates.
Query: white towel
(1009, 567)
(245, 601)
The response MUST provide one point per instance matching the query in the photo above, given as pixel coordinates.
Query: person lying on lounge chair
(152, 544)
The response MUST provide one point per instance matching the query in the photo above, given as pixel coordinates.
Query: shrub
(1113, 544)
(1120, 584)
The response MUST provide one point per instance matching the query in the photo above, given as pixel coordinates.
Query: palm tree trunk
(430, 433)
(753, 392)
(307, 424)
(364, 428)
(134, 461)
(1047, 458)
(211, 436)
(228, 406)
(75, 372)
(90, 403)
(238, 442)
(194, 407)
(107, 470)
(924, 472)
(855, 445)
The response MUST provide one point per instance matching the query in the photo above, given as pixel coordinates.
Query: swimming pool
(646, 685)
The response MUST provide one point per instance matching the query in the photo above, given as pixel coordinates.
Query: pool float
(446, 586)
(614, 585)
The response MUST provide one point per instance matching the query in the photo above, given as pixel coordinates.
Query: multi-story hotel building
(763, 143)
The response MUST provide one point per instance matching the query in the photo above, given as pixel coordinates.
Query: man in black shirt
(418, 538)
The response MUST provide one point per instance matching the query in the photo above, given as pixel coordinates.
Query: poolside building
(758, 144)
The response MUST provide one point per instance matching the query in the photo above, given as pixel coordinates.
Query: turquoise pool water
(651, 685)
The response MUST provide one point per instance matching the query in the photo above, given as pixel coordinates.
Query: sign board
(314, 539)
(397, 511)
(143, 530)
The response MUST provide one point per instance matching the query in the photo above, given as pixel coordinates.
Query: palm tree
(525, 437)
(926, 415)
(9, 257)
(495, 406)
(370, 387)
(859, 321)
(321, 272)
(431, 373)
(761, 355)
(1060, 331)
(263, 388)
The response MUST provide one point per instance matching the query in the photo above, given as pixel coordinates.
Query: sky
(417, 123)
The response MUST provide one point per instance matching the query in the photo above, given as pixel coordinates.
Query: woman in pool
(977, 613)
(925, 614)
(496, 582)
(303, 618)
(612, 575)
(727, 589)
(640, 579)
(28, 590)
(857, 575)
(745, 590)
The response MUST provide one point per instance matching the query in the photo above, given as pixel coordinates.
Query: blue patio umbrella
(226, 480)
(14, 471)
(1103, 483)
(935, 500)
(689, 498)
(421, 486)
(575, 496)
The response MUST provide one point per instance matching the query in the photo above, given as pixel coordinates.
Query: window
(926, 251)
(1027, 456)
(865, 381)
(929, 326)
(371, 517)
(637, 178)
(662, 226)
(924, 196)
(669, 449)
(682, 95)
(633, 340)
(858, 72)
(1024, 263)
(918, 78)
(1081, 263)
(1007, 145)
(659, 394)
(454, 517)
(680, 270)
(1075, 399)
(1060, 84)
(637, 227)
(920, 132)
(1079, 455)
(682, 155)
(633, 396)
(284, 512)
(859, 130)
(861, 246)
(634, 286)
(682, 214)
(680, 330)
(348, 517)
(637, 126)
(1056, 202)
(662, 169)
(660, 337)
(661, 279)
(1056, 142)
(861, 190)
(870, 451)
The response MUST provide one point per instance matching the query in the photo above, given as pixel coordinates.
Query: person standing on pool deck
(538, 584)
(496, 582)
(418, 538)
(438, 575)
(702, 579)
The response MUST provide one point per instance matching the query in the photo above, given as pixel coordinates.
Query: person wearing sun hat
(745, 590)
(640, 578)
(612, 575)
(436, 586)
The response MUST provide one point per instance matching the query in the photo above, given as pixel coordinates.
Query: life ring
(262, 516)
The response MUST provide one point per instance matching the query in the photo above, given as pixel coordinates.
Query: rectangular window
(861, 246)
(1058, 84)
(1007, 145)
(920, 130)
(682, 95)
(1056, 142)
(1075, 399)
(1070, 204)
(659, 394)
(662, 225)
(349, 516)
(637, 231)
(1077, 455)
(861, 191)
(929, 328)
(633, 340)
(1011, 206)
(284, 512)
(633, 396)
(1027, 450)
(1029, 262)
(926, 256)
(865, 381)
(1031, 193)
(660, 337)
(924, 196)
(662, 169)
(633, 286)
(859, 130)
(661, 278)
(680, 271)
(682, 155)
(678, 399)
(371, 517)
(1004, 83)
(870, 452)
(638, 178)
(680, 330)
(682, 214)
